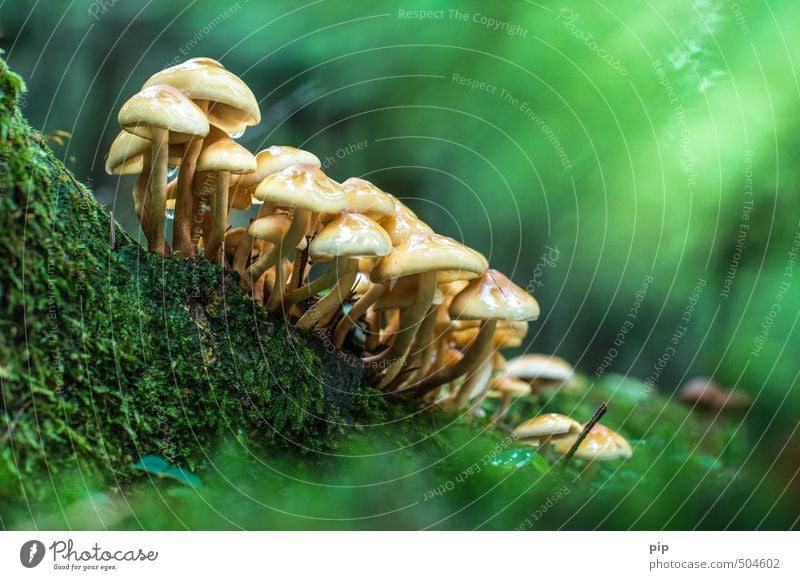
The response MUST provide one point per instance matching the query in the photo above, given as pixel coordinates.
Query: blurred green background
(592, 151)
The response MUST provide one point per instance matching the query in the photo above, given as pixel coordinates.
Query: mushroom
(423, 256)
(600, 444)
(707, 395)
(162, 115)
(307, 189)
(221, 156)
(346, 239)
(268, 161)
(228, 103)
(507, 388)
(540, 370)
(544, 429)
(490, 298)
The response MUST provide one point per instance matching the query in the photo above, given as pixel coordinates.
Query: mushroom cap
(126, 154)
(548, 425)
(601, 444)
(304, 186)
(163, 107)
(421, 253)
(403, 223)
(540, 366)
(221, 153)
(231, 104)
(493, 297)
(275, 159)
(733, 400)
(205, 61)
(701, 392)
(351, 235)
(233, 237)
(271, 228)
(504, 384)
(365, 197)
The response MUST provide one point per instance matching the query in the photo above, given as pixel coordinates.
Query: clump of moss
(110, 353)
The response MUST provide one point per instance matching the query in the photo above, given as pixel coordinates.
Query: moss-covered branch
(108, 354)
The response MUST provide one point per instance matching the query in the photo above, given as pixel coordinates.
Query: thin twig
(586, 429)
(112, 235)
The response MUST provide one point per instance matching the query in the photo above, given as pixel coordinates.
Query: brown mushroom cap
(304, 186)
(163, 107)
(232, 105)
(701, 392)
(493, 297)
(427, 253)
(540, 367)
(601, 444)
(350, 235)
(548, 425)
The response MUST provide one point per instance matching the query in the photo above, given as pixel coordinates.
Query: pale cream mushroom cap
(163, 107)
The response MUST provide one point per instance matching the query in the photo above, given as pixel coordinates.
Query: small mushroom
(540, 370)
(507, 388)
(222, 156)
(425, 256)
(161, 114)
(544, 429)
(490, 298)
(306, 189)
(600, 444)
(346, 239)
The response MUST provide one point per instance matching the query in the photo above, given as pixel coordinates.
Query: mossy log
(108, 354)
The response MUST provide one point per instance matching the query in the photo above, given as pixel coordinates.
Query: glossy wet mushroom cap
(551, 425)
(303, 186)
(493, 297)
(231, 104)
(163, 107)
(543, 367)
(601, 444)
(351, 235)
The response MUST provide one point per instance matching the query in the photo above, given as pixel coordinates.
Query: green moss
(109, 354)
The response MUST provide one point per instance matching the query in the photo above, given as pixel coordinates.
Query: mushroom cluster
(426, 313)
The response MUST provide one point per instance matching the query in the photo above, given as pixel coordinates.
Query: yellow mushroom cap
(547, 425)
(303, 186)
(493, 297)
(163, 107)
(351, 235)
(231, 104)
(221, 153)
(271, 228)
(601, 444)
(540, 366)
(365, 197)
(403, 223)
(275, 159)
(427, 253)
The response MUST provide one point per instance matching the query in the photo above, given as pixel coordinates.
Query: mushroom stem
(327, 280)
(156, 202)
(411, 318)
(476, 383)
(242, 254)
(502, 409)
(267, 260)
(276, 293)
(340, 291)
(419, 350)
(298, 270)
(372, 342)
(220, 223)
(358, 310)
(184, 201)
(478, 351)
(140, 187)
